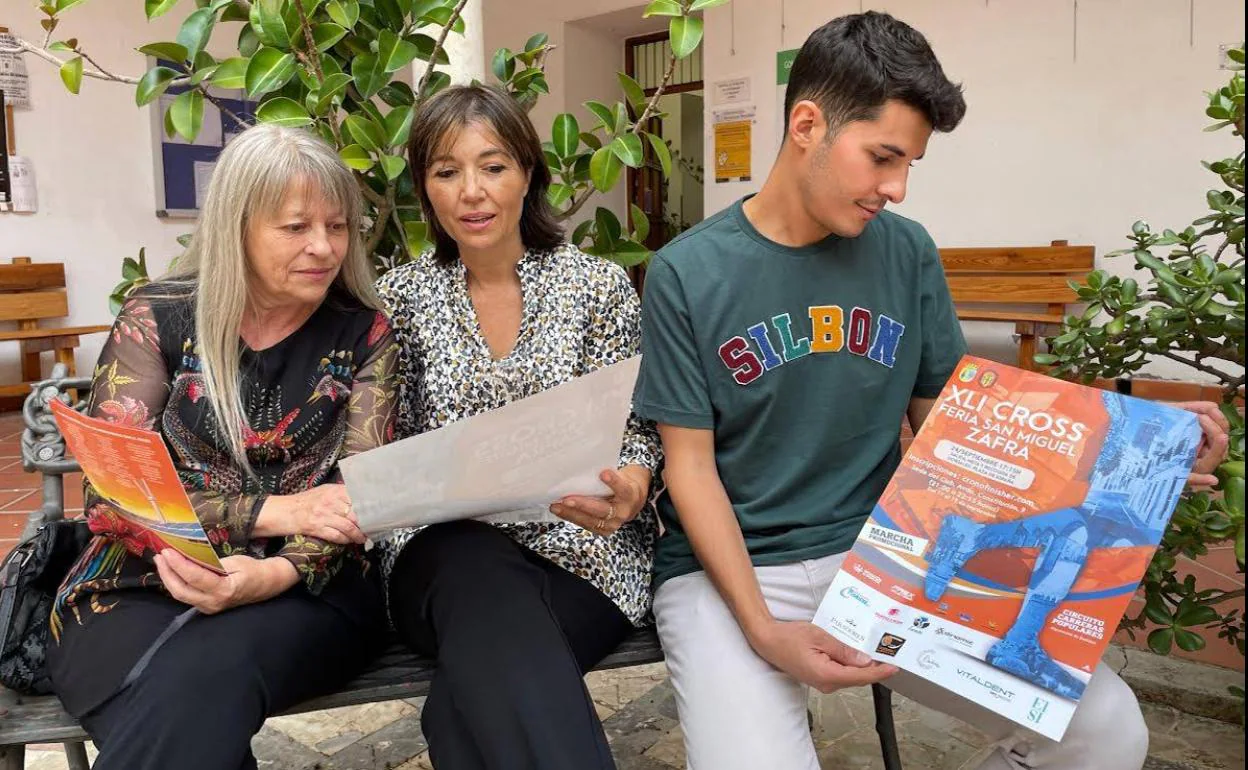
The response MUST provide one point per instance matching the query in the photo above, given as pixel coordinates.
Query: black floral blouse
(326, 391)
(580, 314)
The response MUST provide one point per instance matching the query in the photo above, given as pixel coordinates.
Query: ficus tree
(340, 68)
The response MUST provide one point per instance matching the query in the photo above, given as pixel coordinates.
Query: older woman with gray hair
(262, 360)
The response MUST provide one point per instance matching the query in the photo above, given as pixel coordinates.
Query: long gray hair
(254, 175)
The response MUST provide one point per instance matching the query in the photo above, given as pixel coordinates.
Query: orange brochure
(131, 469)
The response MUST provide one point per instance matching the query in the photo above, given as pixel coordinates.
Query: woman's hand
(604, 515)
(1214, 441)
(323, 512)
(248, 580)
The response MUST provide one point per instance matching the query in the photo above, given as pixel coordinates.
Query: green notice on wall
(784, 63)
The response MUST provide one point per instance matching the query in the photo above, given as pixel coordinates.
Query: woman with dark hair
(502, 308)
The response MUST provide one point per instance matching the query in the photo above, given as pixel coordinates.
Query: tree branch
(651, 108)
(437, 47)
(379, 222)
(1206, 368)
(99, 72)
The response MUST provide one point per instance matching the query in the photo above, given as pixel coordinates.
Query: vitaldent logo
(849, 592)
(928, 660)
(994, 689)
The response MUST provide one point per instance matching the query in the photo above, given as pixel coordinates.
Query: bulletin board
(183, 168)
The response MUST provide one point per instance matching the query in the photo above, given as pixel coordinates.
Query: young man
(784, 340)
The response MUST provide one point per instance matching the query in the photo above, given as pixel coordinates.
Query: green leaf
(702, 5)
(565, 134)
(437, 81)
(441, 16)
(1188, 641)
(661, 152)
(63, 46)
(398, 124)
(364, 131)
(1195, 615)
(187, 113)
(685, 33)
(1160, 640)
(269, 70)
(174, 52)
(368, 75)
(1233, 495)
(394, 52)
(581, 232)
(344, 12)
(154, 8)
(591, 140)
(356, 157)
(425, 46)
(327, 35)
(267, 21)
(662, 8)
(284, 112)
(607, 225)
(392, 166)
(397, 94)
(641, 222)
(231, 73)
(604, 169)
(627, 147)
(417, 236)
(632, 91)
(503, 64)
(196, 30)
(559, 194)
(537, 41)
(628, 254)
(153, 84)
(603, 113)
(71, 74)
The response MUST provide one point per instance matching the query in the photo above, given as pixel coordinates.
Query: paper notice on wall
(203, 177)
(22, 182)
(730, 91)
(733, 142)
(13, 79)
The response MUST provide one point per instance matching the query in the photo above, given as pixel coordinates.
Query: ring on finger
(610, 513)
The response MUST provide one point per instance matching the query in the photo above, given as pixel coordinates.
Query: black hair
(852, 65)
(440, 119)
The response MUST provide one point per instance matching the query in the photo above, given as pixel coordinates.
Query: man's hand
(1213, 444)
(812, 656)
(248, 580)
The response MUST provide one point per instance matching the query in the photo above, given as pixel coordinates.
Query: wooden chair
(1032, 280)
(29, 293)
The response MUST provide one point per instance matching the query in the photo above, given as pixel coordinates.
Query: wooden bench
(29, 293)
(1030, 279)
(397, 673)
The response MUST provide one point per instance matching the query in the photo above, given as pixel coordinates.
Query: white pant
(738, 712)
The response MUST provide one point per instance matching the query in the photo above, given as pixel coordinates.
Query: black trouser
(207, 691)
(513, 635)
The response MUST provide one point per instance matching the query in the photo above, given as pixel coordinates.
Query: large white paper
(13, 79)
(508, 464)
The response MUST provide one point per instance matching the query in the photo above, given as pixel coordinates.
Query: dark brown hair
(854, 64)
(437, 122)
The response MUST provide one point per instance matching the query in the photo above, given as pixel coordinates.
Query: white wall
(1061, 139)
(92, 155)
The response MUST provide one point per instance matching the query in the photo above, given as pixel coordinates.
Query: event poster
(131, 469)
(1011, 539)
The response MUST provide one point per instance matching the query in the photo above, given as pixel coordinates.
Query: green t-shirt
(802, 361)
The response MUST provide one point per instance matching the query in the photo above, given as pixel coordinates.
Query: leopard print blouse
(580, 314)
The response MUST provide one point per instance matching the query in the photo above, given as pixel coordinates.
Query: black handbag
(29, 578)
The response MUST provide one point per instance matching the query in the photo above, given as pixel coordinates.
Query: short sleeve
(671, 387)
(943, 343)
